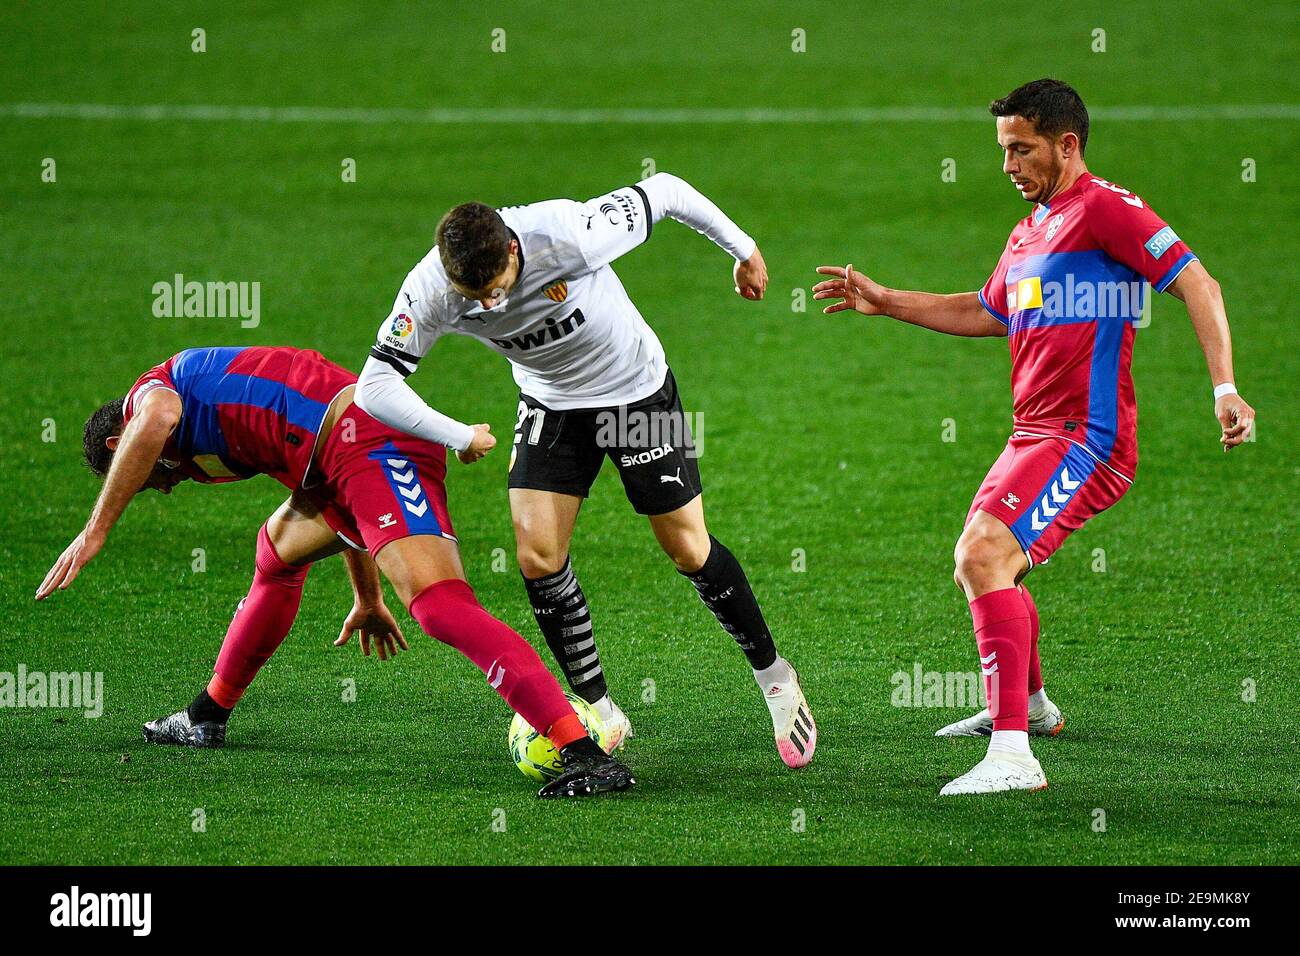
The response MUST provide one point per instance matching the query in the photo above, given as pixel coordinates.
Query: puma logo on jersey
(666, 479)
(550, 331)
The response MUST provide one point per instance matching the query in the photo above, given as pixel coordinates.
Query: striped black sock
(725, 591)
(565, 621)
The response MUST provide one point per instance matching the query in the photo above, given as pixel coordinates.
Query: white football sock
(1010, 742)
(778, 673)
(1038, 700)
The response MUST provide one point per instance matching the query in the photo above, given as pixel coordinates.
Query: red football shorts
(377, 484)
(1044, 489)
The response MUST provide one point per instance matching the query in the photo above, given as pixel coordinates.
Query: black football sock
(565, 621)
(725, 591)
(205, 708)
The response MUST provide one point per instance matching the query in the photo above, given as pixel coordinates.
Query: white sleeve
(412, 325)
(619, 221)
(672, 197)
(404, 337)
(608, 226)
(382, 393)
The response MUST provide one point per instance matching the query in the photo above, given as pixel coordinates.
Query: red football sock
(1002, 632)
(261, 622)
(449, 611)
(1035, 667)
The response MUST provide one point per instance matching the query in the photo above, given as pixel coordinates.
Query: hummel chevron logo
(404, 477)
(989, 665)
(1058, 495)
(410, 494)
(396, 463)
(419, 510)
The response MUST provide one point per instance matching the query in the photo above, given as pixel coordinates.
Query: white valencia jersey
(572, 335)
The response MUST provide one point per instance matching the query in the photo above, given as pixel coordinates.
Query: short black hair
(474, 245)
(1051, 105)
(106, 421)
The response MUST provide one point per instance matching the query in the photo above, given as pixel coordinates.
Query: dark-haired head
(478, 253)
(1042, 130)
(104, 423)
(1052, 106)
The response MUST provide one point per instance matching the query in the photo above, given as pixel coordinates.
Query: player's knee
(688, 552)
(538, 561)
(978, 555)
(271, 568)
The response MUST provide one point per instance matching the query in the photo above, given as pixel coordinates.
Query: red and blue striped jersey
(245, 411)
(1072, 288)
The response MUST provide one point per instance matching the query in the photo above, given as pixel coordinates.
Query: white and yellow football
(535, 756)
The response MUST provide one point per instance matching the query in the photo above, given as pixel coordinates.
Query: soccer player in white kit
(535, 284)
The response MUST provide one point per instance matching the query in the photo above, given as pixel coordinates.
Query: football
(535, 756)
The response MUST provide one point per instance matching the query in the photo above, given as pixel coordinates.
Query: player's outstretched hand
(482, 443)
(74, 557)
(751, 276)
(856, 291)
(377, 623)
(1237, 419)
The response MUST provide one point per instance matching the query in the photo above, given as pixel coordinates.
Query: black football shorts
(649, 442)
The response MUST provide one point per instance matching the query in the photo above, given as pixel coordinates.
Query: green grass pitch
(823, 434)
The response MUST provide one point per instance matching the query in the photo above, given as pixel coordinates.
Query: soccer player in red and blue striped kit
(357, 486)
(1069, 292)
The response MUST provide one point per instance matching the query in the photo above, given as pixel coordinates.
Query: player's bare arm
(134, 462)
(369, 617)
(1204, 300)
(956, 314)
